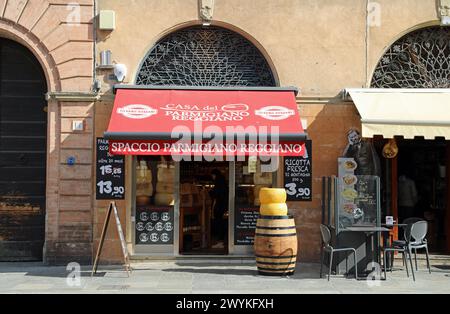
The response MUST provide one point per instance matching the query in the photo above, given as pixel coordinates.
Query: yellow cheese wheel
(273, 209)
(164, 199)
(144, 188)
(164, 187)
(166, 174)
(272, 195)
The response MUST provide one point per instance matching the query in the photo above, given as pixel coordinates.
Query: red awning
(205, 122)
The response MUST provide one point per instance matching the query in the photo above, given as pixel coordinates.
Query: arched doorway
(420, 59)
(201, 57)
(23, 151)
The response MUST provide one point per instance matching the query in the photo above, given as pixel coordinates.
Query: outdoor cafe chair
(408, 223)
(396, 247)
(415, 234)
(418, 233)
(327, 248)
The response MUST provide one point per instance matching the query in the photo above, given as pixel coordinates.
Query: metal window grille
(200, 56)
(420, 59)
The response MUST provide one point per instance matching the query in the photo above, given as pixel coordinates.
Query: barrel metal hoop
(275, 263)
(277, 270)
(279, 257)
(275, 228)
(276, 217)
(276, 235)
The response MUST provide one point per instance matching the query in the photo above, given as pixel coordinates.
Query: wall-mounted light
(120, 71)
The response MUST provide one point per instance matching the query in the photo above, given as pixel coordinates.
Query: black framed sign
(245, 225)
(110, 173)
(298, 175)
(154, 225)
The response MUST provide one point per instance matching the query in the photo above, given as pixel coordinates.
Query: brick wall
(328, 124)
(61, 37)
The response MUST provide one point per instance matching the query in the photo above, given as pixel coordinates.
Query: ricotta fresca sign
(160, 118)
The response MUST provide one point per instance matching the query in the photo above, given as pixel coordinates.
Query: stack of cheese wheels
(273, 202)
(164, 185)
(275, 236)
(144, 186)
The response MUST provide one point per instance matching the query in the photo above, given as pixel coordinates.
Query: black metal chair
(408, 222)
(399, 247)
(326, 247)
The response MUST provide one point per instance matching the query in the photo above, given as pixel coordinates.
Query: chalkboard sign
(298, 176)
(110, 173)
(154, 225)
(245, 225)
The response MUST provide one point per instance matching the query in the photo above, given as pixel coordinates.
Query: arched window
(205, 56)
(420, 59)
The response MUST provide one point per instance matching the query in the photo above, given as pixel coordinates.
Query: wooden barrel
(276, 245)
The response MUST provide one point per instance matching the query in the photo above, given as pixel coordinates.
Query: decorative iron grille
(420, 59)
(198, 56)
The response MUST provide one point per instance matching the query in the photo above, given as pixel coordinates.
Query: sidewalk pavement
(202, 278)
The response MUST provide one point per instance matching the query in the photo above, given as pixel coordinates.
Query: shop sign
(154, 225)
(110, 173)
(214, 147)
(245, 225)
(298, 175)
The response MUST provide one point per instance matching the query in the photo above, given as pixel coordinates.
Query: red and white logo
(275, 112)
(137, 111)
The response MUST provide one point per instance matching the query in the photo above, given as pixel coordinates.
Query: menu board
(154, 225)
(245, 225)
(298, 176)
(357, 195)
(110, 173)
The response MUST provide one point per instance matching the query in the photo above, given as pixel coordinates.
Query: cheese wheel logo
(234, 107)
(137, 111)
(275, 112)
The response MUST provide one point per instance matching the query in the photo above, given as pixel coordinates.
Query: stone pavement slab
(161, 277)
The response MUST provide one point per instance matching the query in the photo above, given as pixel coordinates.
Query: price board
(110, 173)
(245, 225)
(298, 176)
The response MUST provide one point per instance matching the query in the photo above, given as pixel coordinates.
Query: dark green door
(23, 142)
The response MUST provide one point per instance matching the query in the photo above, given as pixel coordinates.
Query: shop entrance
(204, 207)
(418, 182)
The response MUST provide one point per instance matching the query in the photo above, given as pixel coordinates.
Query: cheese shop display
(273, 209)
(154, 182)
(164, 186)
(273, 202)
(272, 195)
(144, 185)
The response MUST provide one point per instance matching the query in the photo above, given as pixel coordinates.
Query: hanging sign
(298, 175)
(110, 173)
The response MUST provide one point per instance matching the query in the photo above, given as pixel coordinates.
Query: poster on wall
(298, 176)
(154, 225)
(245, 225)
(110, 173)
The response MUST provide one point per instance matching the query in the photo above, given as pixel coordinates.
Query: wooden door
(23, 146)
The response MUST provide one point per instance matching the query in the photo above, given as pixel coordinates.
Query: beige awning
(403, 112)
